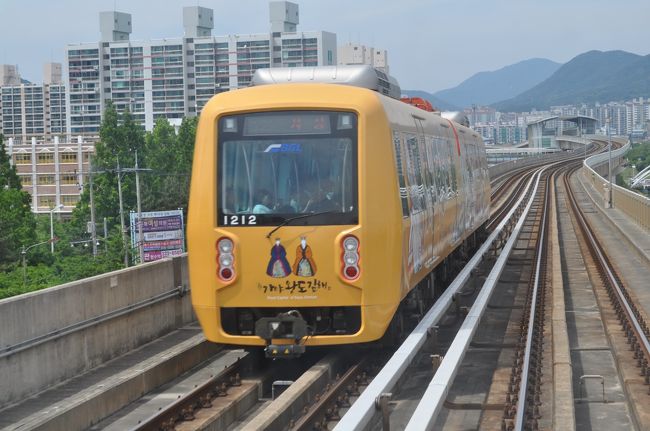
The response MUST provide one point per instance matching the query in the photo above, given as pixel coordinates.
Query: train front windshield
(273, 166)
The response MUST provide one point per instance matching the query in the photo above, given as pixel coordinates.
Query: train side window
(403, 193)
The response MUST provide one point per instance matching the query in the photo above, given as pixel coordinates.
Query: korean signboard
(162, 234)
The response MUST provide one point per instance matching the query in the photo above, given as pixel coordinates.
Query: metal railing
(634, 205)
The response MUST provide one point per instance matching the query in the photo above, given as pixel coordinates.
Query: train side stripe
(451, 123)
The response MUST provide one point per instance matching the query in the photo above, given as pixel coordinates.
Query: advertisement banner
(162, 235)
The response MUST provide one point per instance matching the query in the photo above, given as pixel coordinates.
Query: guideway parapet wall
(54, 334)
(634, 205)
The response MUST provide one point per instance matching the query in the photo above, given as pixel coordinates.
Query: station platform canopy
(542, 133)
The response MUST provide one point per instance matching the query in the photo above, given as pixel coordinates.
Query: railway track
(622, 317)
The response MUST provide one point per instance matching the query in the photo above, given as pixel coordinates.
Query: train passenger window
(276, 165)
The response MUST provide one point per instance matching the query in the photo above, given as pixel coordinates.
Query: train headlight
(225, 245)
(350, 243)
(351, 258)
(350, 268)
(225, 260)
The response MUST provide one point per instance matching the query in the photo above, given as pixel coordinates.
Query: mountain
(594, 76)
(435, 101)
(485, 88)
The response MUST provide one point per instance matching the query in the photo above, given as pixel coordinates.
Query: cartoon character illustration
(304, 265)
(278, 266)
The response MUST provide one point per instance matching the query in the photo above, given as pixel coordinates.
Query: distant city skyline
(432, 44)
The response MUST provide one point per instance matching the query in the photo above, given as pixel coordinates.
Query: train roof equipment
(356, 75)
(419, 102)
(457, 117)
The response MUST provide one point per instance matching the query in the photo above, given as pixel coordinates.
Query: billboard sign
(162, 234)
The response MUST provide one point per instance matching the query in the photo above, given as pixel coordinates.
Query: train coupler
(289, 326)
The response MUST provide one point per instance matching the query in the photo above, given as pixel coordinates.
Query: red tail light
(350, 258)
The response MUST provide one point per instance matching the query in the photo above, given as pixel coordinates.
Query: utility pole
(93, 228)
(609, 142)
(119, 192)
(105, 235)
(137, 170)
(137, 194)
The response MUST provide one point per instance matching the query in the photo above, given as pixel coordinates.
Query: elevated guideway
(55, 339)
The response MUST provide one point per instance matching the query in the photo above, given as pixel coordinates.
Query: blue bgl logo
(284, 148)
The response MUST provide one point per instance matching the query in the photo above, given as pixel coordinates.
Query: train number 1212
(239, 220)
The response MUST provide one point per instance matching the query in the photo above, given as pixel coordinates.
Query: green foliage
(166, 186)
(169, 156)
(8, 176)
(590, 77)
(16, 219)
(639, 156)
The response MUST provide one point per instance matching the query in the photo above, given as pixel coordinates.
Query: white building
(352, 53)
(32, 110)
(173, 78)
(52, 172)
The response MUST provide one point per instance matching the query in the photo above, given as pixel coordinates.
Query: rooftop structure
(354, 53)
(9, 75)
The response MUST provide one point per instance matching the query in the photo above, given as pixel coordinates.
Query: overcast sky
(432, 44)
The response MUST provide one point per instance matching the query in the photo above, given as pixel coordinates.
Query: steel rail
(427, 410)
(603, 262)
(321, 404)
(523, 388)
(198, 397)
(363, 410)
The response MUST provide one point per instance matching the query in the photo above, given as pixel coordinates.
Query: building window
(23, 158)
(45, 158)
(68, 157)
(68, 179)
(46, 201)
(69, 200)
(45, 180)
(26, 180)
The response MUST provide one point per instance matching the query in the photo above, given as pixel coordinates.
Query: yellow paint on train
(404, 185)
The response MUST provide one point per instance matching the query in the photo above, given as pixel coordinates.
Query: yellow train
(316, 208)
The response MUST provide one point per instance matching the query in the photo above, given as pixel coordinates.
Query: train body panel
(396, 187)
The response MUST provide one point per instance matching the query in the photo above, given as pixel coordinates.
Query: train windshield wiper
(290, 219)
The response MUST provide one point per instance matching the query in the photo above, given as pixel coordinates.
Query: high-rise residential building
(33, 110)
(355, 53)
(174, 77)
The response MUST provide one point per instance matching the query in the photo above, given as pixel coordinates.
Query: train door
(426, 186)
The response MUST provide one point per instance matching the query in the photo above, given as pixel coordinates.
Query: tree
(8, 175)
(169, 156)
(17, 223)
(120, 137)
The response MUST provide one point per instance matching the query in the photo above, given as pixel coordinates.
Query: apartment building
(174, 77)
(32, 110)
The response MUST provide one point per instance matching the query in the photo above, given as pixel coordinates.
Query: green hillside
(594, 76)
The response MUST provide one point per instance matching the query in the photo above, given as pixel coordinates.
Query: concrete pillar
(34, 178)
(57, 173)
